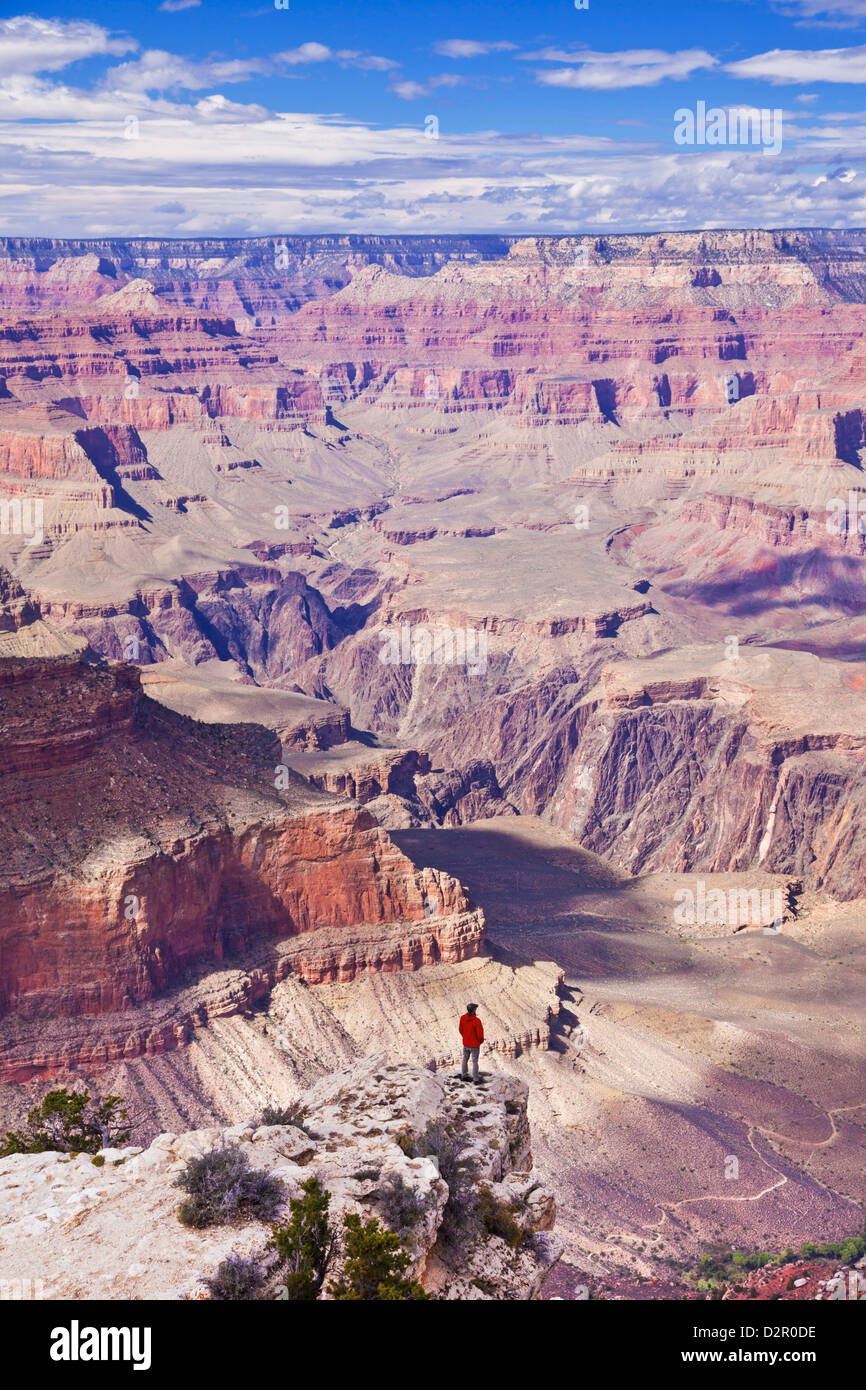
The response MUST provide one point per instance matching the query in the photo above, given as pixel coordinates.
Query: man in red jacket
(472, 1034)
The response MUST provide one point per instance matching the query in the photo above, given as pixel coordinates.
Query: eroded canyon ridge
(393, 621)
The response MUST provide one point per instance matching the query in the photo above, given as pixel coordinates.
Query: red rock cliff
(142, 850)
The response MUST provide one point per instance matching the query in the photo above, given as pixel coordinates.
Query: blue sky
(199, 116)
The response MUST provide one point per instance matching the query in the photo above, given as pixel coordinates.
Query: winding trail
(668, 1207)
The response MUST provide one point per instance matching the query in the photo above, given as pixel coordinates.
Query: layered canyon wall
(143, 850)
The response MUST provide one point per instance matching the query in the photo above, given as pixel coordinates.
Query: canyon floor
(420, 621)
(676, 1050)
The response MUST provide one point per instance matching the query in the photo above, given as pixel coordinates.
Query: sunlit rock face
(142, 850)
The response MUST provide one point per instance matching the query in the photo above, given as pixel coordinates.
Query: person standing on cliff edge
(472, 1033)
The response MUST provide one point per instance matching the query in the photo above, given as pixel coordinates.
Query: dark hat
(470, 1008)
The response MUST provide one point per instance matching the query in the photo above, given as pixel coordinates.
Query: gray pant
(473, 1053)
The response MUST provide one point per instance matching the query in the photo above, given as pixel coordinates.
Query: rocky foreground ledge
(80, 1229)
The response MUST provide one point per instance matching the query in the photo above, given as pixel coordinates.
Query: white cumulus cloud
(29, 44)
(157, 71)
(471, 48)
(636, 67)
(791, 65)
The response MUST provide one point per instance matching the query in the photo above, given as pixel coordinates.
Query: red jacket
(471, 1030)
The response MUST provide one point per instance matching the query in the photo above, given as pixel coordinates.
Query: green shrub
(721, 1265)
(444, 1143)
(375, 1265)
(70, 1122)
(222, 1187)
(497, 1218)
(451, 1149)
(844, 1250)
(305, 1243)
(402, 1207)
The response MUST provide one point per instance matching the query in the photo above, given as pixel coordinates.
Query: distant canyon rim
(392, 621)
